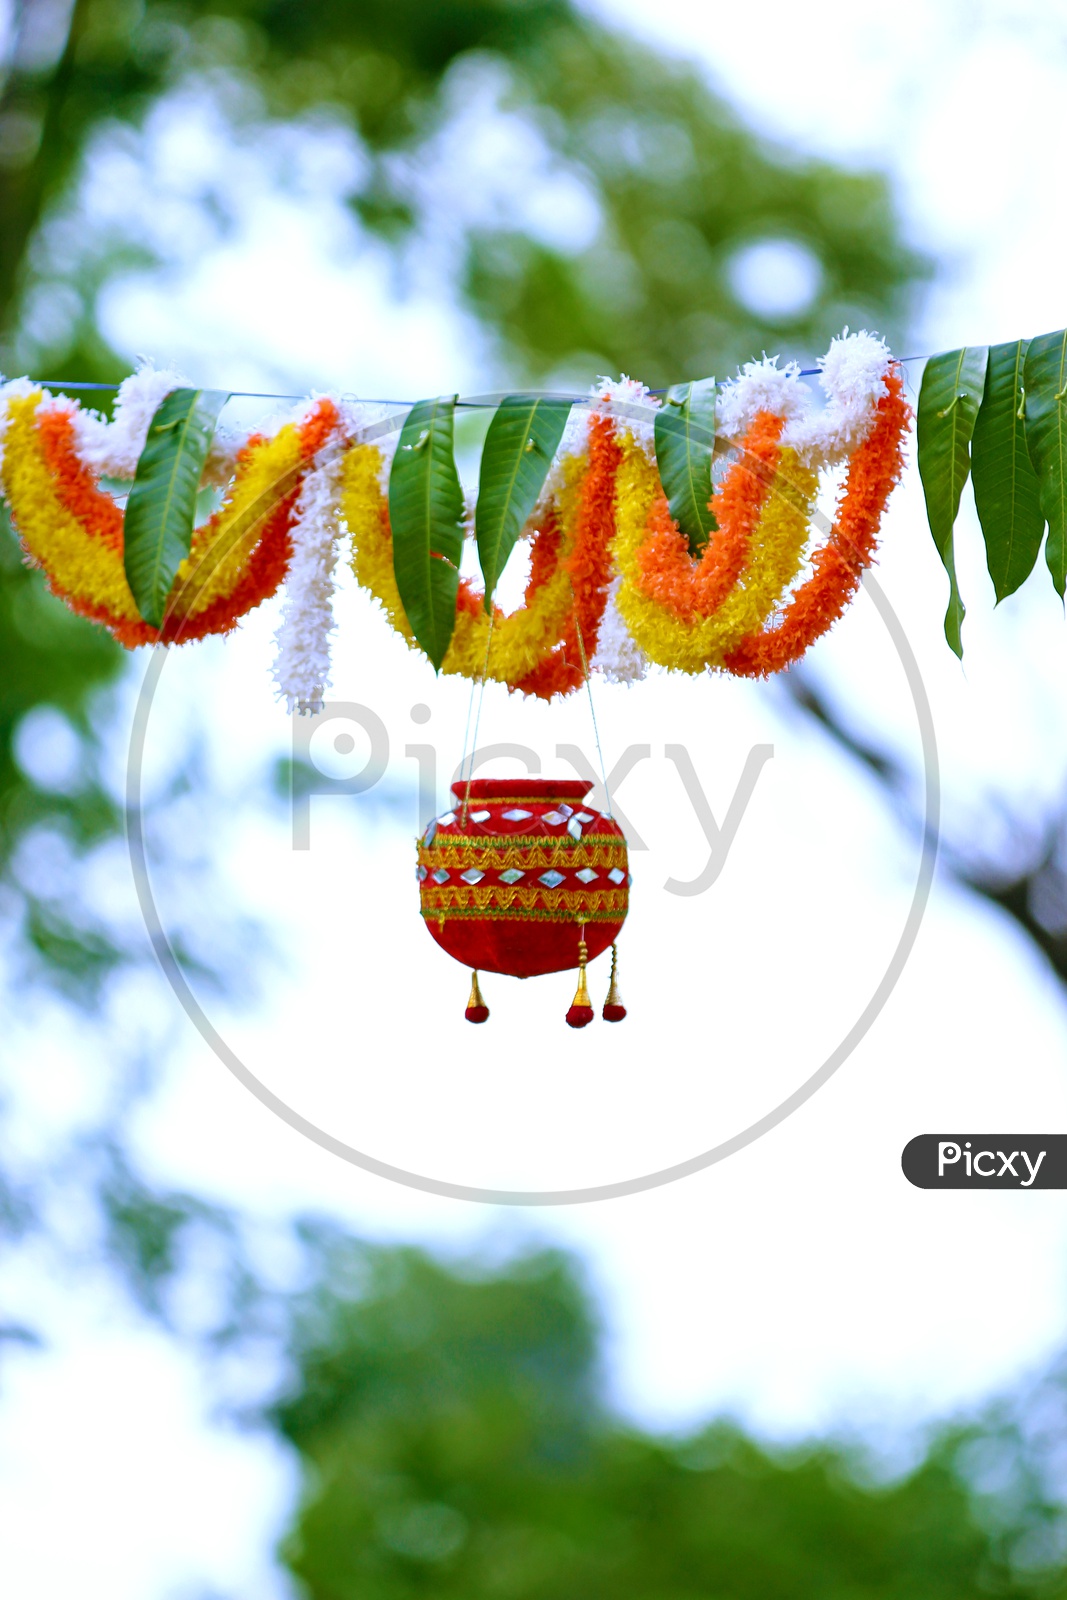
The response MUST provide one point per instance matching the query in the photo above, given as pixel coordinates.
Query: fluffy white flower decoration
(853, 380)
(302, 662)
(13, 389)
(852, 377)
(618, 656)
(113, 447)
(631, 402)
(760, 386)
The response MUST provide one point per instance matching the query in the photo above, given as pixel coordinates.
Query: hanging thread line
(592, 711)
(471, 405)
(477, 719)
(466, 732)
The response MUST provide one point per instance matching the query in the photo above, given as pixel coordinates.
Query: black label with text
(986, 1161)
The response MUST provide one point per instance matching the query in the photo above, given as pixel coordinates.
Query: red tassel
(614, 1013)
(477, 1010)
(579, 1016)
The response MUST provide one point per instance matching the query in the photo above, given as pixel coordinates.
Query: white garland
(852, 376)
(633, 402)
(302, 660)
(113, 448)
(619, 658)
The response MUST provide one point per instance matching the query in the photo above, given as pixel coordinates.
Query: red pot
(510, 878)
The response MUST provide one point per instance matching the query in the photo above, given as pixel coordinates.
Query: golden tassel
(581, 1012)
(614, 1010)
(477, 1010)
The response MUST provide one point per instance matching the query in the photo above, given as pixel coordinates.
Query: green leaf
(1005, 484)
(161, 508)
(685, 439)
(426, 513)
(1044, 379)
(522, 439)
(948, 406)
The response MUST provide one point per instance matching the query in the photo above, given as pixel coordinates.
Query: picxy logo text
(986, 1161)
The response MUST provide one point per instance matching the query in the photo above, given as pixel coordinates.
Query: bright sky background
(802, 1283)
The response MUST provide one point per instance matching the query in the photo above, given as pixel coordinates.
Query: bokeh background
(232, 1365)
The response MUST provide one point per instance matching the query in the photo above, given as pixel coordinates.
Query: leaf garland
(426, 516)
(999, 413)
(1005, 484)
(685, 440)
(523, 436)
(1045, 381)
(951, 393)
(161, 508)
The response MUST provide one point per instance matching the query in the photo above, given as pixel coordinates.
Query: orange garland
(839, 564)
(268, 562)
(544, 559)
(611, 517)
(589, 565)
(78, 492)
(75, 483)
(691, 587)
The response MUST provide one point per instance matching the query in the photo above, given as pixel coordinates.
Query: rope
(592, 713)
(471, 405)
(466, 731)
(477, 720)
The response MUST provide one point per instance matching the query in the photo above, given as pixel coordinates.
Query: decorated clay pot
(523, 877)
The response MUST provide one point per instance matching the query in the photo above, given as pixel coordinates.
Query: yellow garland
(73, 529)
(363, 510)
(260, 472)
(519, 641)
(89, 569)
(525, 637)
(692, 646)
(85, 567)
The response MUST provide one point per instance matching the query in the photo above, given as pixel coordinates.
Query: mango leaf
(1045, 382)
(426, 513)
(685, 438)
(522, 439)
(1005, 484)
(951, 392)
(161, 508)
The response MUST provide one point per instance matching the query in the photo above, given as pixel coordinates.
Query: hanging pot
(523, 877)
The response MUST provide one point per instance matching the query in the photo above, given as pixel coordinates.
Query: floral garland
(612, 585)
(588, 570)
(302, 664)
(873, 471)
(514, 647)
(73, 528)
(686, 614)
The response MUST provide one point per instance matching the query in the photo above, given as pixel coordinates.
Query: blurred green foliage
(451, 1423)
(49, 657)
(673, 186)
(455, 1444)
